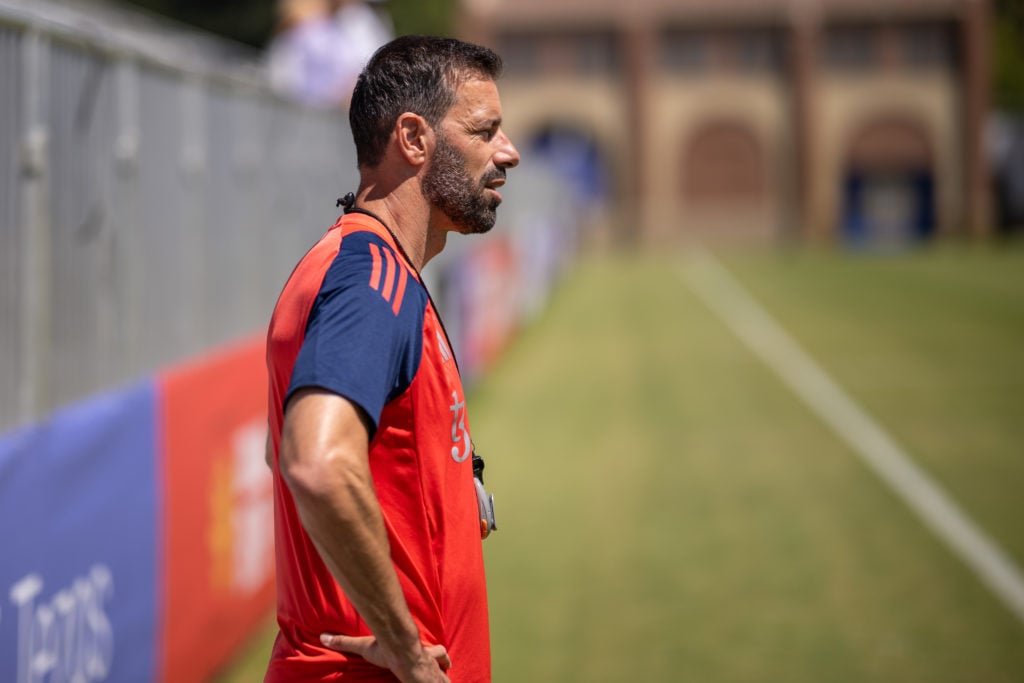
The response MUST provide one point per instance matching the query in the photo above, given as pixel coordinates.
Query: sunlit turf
(932, 343)
(668, 511)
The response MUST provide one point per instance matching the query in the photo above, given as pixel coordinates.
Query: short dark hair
(418, 74)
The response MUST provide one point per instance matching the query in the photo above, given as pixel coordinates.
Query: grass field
(670, 511)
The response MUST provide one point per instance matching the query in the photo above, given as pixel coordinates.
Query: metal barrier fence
(154, 195)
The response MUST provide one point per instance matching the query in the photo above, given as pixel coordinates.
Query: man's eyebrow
(486, 121)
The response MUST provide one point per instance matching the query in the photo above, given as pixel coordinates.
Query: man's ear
(415, 138)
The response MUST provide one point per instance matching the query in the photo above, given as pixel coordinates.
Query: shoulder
(368, 268)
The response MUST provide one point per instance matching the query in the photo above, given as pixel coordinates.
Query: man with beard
(378, 517)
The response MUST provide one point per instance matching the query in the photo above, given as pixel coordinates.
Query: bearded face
(448, 186)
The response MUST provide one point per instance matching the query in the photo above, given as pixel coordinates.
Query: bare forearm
(325, 463)
(344, 521)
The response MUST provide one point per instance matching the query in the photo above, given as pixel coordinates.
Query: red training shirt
(355, 319)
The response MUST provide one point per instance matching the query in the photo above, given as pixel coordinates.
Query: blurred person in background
(302, 58)
(362, 28)
(379, 506)
(320, 47)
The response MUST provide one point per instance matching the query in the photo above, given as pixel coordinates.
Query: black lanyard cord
(348, 202)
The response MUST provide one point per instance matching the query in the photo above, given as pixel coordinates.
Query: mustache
(496, 174)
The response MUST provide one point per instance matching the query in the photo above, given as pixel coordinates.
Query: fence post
(34, 385)
(126, 226)
(194, 175)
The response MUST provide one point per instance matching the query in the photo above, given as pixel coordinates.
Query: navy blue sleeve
(364, 336)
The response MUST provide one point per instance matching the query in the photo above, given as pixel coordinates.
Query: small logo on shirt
(388, 276)
(460, 436)
(442, 346)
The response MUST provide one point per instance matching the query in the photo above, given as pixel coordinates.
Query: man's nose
(508, 155)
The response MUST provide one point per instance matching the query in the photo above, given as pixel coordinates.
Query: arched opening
(888, 185)
(723, 164)
(575, 154)
(724, 183)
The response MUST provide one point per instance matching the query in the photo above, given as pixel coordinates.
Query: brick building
(853, 120)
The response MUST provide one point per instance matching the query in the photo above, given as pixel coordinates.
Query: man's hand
(429, 667)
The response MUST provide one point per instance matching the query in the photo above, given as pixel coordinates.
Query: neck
(408, 222)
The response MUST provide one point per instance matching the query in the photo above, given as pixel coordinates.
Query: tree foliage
(1008, 55)
(432, 17)
(247, 21)
(252, 21)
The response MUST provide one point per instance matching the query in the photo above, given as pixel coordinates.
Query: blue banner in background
(78, 543)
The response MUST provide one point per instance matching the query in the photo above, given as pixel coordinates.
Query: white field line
(724, 295)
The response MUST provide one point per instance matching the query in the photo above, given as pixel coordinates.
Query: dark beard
(447, 186)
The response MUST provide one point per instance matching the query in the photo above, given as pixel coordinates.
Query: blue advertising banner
(79, 505)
